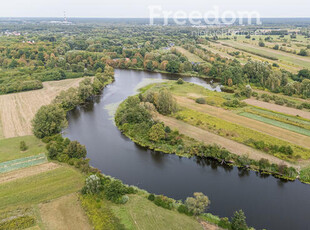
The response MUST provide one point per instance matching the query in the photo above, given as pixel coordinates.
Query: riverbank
(185, 145)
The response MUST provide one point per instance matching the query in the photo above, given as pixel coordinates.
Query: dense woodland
(48, 52)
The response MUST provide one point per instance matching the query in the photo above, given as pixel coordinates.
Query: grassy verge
(305, 175)
(41, 187)
(9, 148)
(140, 213)
(276, 123)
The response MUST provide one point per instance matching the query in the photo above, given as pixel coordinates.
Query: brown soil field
(22, 173)
(277, 132)
(64, 213)
(210, 138)
(18, 109)
(278, 108)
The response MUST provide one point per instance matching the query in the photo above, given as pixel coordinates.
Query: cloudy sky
(140, 8)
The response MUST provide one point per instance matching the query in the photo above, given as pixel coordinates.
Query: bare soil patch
(278, 108)
(210, 138)
(64, 213)
(26, 172)
(292, 137)
(18, 109)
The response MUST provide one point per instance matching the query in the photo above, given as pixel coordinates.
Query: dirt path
(278, 108)
(26, 172)
(210, 138)
(64, 213)
(18, 109)
(292, 137)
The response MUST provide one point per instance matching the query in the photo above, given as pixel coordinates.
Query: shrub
(164, 202)
(183, 209)
(124, 199)
(21, 222)
(180, 81)
(151, 197)
(23, 146)
(76, 150)
(201, 100)
(224, 223)
(92, 185)
(114, 191)
(238, 221)
(157, 132)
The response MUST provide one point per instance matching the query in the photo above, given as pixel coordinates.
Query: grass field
(140, 213)
(39, 188)
(277, 123)
(9, 148)
(64, 213)
(190, 56)
(18, 109)
(293, 59)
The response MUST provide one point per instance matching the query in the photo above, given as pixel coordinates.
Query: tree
(165, 103)
(198, 203)
(48, 121)
(238, 221)
(85, 89)
(76, 150)
(52, 151)
(23, 146)
(157, 132)
(303, 52)
(261, 44)
(173, 67)
(92, 185)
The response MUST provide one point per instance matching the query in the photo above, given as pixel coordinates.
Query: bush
(92, 185)
(23, 146)
(224, 223)
(183, 209)
(124, 199)
(151, 197)
(198, 203)
(21, 222)
(180, 81)
(234, 103)
(164, 202)
(114, 191)
(201, 100)
(238, 221)
(76, 150)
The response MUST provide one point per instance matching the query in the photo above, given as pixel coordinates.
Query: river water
(267, 202)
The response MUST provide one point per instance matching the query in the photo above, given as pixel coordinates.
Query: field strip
(26, 172)
(210, 138)
(286, 135)
(190, 56)
(278, 108)
(276, 123)
(64, 213)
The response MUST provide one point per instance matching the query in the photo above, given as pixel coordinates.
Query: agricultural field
(18, 109)
(190, 56)
(39, 188)
(273, 55)
(10, 148)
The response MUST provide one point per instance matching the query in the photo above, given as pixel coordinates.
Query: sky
(140, 8)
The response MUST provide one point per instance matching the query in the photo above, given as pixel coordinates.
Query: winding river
(267, 202)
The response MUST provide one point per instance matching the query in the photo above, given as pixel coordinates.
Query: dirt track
(283, 134)
(278, 108)
(26, 172)
(18, 109)
(210, 138)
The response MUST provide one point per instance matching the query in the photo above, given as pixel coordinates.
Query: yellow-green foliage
(21, 222)
(140, 213)
(305, 175)
(100, 213)
(42, 187)
(236, 132)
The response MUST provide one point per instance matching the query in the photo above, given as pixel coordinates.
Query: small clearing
(18, 109)
(278, 108)
(64, 213)
(210, 138)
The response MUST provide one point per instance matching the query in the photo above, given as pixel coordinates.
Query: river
(267, 202)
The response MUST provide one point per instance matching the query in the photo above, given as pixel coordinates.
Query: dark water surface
(267, 202)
